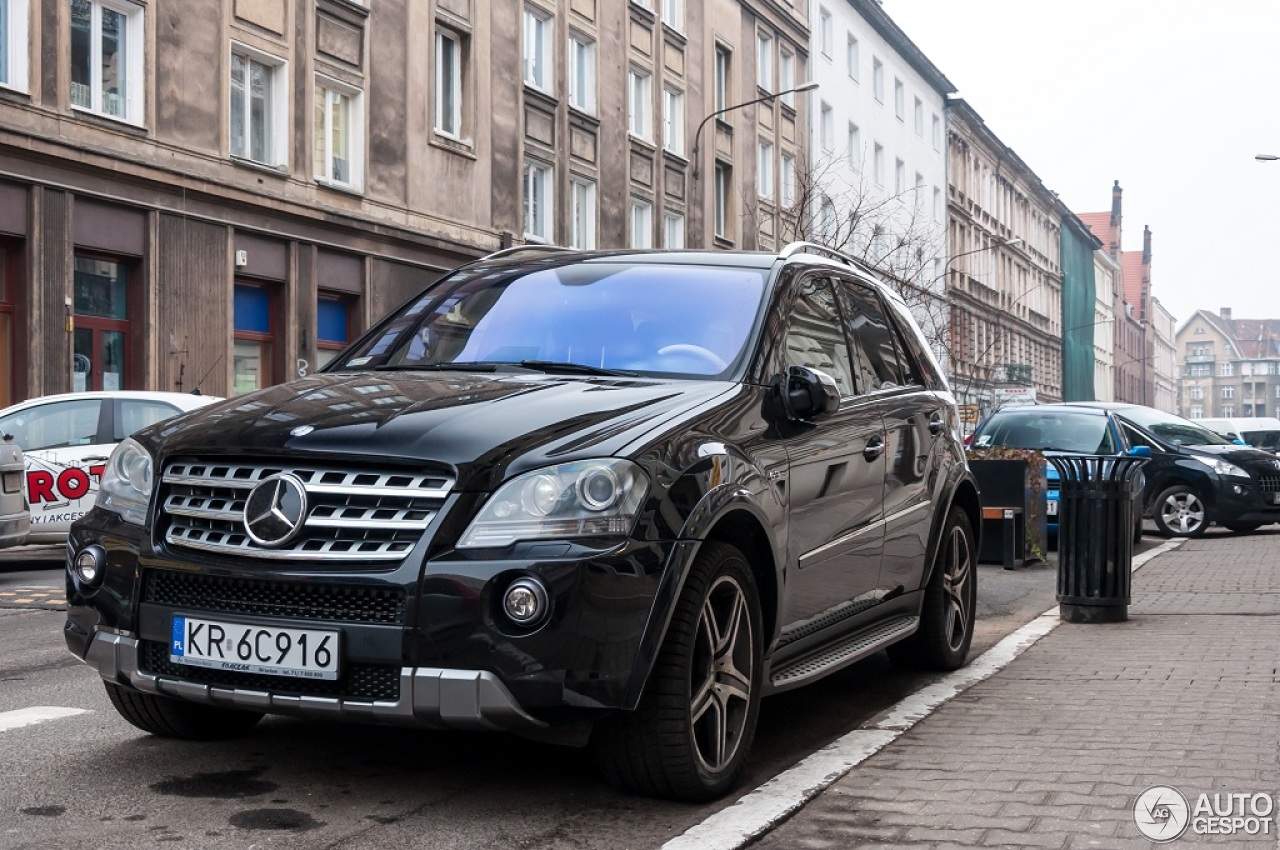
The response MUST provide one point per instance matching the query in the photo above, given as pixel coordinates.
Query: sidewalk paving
(1054, 750)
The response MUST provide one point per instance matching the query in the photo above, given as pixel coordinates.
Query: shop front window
(252, 355)
(333, 327)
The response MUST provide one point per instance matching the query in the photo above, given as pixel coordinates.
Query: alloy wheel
(722, 675)
(957, 574)
(1182, 513)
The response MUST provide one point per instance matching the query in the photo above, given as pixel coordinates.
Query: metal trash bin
(1095, 536)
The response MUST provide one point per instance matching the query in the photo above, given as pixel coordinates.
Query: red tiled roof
(1100, 224)
(1131, 264)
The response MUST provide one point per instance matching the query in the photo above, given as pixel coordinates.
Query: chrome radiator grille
(352, 514)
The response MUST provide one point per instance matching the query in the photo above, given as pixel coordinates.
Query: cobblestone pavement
(1054, 750)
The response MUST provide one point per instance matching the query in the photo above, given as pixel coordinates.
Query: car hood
(1245, 456)
(485, 427)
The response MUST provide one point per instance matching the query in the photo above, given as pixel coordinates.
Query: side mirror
(1140, 451)
(809, 394)
(1239, 442)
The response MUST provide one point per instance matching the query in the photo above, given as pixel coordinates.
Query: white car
(67, 440)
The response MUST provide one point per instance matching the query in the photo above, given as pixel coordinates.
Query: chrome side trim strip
(843, 540)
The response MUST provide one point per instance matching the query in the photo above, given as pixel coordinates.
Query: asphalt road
(93, 781)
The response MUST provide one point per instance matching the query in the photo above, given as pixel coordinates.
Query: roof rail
(517, 249)
(814, 248)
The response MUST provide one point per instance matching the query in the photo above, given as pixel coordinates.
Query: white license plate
(1052, 508)
(269, 650)
(1275, 498)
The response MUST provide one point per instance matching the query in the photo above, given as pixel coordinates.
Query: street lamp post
(1266, 157)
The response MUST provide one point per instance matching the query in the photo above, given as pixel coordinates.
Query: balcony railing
(1200, 358)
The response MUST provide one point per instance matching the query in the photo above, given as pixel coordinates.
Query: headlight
(589, 498)
(1223, 468)
(126, 482)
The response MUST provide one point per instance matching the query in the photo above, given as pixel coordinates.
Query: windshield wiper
(554, 367)
(437, 367)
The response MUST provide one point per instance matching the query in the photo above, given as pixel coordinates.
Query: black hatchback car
(613, 498)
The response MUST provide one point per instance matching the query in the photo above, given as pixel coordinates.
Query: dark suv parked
(615, 497)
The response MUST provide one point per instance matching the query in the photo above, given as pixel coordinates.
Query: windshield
(1262, 439)
(1174, 429)
(652, 319)
(1046, 431)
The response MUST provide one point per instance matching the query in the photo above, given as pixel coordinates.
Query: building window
(13, 44)
(673, 231)
(919, 193)
(1197, 393)
(899, 99)
(1228, 370)
(1228, 392)
(937, 133)
(787, 76)
(827, 221)
(764, 170)
(851, 60)
(724, 59)
(673, 14)
(825, 36)
(878, 164)
(253, 356)
(899, 177)
(448, 84)
(106, 58)
(919, 116)
(339, 132)
(334, 314)
(101, 337)
(537, 49)
(853, 147)
(638, 122)
(1228, 410)
(582, 73)
(788, 180)
(827, 128)
(1197, 412)
(937, 204)
(641, 224)
(764, 60)
(877, 79)
(724, 173)
(582, 216)
(8, 345)
(259, 110)
(537, 200)
(673, 121)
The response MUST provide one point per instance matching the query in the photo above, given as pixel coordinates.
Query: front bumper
(1250, 505)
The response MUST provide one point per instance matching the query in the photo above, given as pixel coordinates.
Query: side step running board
(842, 653)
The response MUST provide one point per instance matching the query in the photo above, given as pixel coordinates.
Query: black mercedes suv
(611, 498)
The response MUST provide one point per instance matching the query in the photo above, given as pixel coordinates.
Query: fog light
(89, 565)
(1237, 489)
(525, 601)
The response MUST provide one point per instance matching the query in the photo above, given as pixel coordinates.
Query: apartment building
(1230, 367)
(224, 200)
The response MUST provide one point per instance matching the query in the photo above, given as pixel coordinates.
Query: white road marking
(35, 714)
(760, 810)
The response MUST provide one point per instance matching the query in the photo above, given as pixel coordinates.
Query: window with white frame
(788, 180)
(827, 127)
(107, 58)
(1228, 410)
(338, 134)
(673, 121)
(899, 177)
(537, 200)
(14, 62)
(877, 79)
(878, 164)
(919, 116)
(1228, 392)
(851, 56)
(537, 49)
(673, 230)
(724, 60)
(919, 193)
(787, 76)
(448, 88)
(1278, 392)
(1227, 370)
(582, 213)
(937, 133)
(723, 176)
(582, 73)
(764, 169)
(937, 204)
(826, 36)
(853, 147)
(641, 224)
(638, 109)
(1197, 393)
(899, 99)
(827, 220)
(259, 107)
(764, 60)
(673, 14)
(1197, 412)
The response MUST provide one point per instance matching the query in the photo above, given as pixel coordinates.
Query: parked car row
(1194, 478)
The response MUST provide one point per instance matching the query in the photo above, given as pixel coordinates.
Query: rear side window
(878, 353)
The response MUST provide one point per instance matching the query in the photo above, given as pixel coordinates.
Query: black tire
(1137, 529)
(171, 718)
(950, 601)
(663, 748)
(1243, 527)
(1179, 511)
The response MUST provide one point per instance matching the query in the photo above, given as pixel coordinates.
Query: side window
(815, 337)
(52, 426)
(1135, 437)
(880, 366)
(136, 415)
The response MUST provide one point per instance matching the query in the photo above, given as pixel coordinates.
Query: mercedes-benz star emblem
(276, 510)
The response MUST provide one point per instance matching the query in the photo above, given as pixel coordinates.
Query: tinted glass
(879, 364)
(815, 337)
(658, 319)
(134, 415)
(1053, 431)
(1174, 429)
(50, 426)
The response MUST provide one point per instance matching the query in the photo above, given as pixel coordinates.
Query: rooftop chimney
(1225, 312)
(1115, 204)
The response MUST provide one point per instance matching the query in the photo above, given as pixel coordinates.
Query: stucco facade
(1164, 363)
(1105, 273)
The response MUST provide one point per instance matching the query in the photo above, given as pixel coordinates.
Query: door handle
(874, 449)
(936, 425)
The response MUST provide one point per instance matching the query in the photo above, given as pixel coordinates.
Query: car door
(914, 421)
(836, 475)
(66, 448)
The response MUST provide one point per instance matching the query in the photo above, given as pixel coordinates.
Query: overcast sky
(1169, 97)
